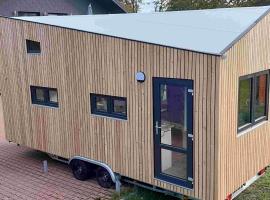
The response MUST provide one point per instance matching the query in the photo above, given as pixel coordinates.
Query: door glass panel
(174, 163)
(173, 115)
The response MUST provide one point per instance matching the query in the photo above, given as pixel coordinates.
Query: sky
(147, 6)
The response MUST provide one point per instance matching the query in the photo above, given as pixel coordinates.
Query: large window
(109, 106)
(253, 99)
(44, 96)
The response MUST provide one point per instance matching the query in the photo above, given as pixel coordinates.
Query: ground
(22, 176)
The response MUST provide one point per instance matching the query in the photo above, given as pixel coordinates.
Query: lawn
(136, 193)
(260, 190)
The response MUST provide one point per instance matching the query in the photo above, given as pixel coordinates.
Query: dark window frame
(57, 14)
(252, 103)
(47, 101)
(20, 13)
(29, 50)
(110, 106)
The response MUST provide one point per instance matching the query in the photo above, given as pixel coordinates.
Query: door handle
(157, 127)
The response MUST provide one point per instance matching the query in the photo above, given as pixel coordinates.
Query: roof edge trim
(244, 33)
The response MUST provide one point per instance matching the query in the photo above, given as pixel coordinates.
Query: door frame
(157, 81)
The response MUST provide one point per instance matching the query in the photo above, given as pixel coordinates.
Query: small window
(253, 99)
(32, 46)
(44, 96)
(22, 13)
(109, 106)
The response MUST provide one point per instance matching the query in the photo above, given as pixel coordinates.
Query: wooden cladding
(241, 157)
(79, 63)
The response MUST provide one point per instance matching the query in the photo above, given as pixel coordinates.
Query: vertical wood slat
(78, 64)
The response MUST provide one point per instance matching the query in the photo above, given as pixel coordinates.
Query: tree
(207, 4)
(161, 5)
(195, 4)
(131, 5)
(261, 2)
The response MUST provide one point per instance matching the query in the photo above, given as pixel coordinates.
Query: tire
(80, 170)
(104, 178)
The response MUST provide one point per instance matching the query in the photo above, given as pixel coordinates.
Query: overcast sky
(147, 6)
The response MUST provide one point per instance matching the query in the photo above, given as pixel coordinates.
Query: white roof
(208, 31)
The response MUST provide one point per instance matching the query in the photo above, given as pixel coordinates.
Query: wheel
(104, 178)
(80, 170)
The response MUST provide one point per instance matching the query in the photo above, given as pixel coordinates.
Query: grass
(260, 190)
(137, 193)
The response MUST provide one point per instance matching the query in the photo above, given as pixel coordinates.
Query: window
(109, 106)
(32, 46)
(253, 99)
(57, 14)
(22, 13)
(44, 96)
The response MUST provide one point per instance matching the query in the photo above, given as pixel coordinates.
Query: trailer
(176, 101)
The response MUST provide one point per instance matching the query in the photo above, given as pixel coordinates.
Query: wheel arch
(95, 162)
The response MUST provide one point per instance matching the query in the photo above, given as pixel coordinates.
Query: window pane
(33, 46)
(53, 96)
(174, 163)
(101, 104)
(173, 115)
(244, 112)
(260, 98)
(21, 13)
(119, 106)
(40, 95)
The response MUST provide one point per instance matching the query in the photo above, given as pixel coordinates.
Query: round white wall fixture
(140, 77)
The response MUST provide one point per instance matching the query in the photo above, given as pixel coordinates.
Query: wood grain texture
(240, 158)
(79, 63)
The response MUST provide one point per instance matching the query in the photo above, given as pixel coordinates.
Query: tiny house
(177, 101)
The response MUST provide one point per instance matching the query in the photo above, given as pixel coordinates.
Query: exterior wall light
(140, 77)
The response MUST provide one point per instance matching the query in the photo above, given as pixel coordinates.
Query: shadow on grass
(137, 193)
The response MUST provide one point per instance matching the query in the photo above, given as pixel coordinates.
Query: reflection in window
(173, 115)
(119, 106)
(174, 163)
(260, 98)
(244, 113)
(110, 106)
(40, 95)
(44, 96)
(101, 104)
(253, 100)
(53, 96)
